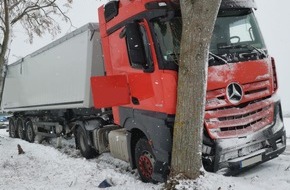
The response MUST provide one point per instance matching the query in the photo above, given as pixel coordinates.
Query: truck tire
(20, 128)
(12, 128)
(82, 143)
(30, 134)
(144, 160)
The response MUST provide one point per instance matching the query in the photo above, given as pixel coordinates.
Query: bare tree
(35, 16)
(198, 17)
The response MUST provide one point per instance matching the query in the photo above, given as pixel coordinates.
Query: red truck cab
(243, 118)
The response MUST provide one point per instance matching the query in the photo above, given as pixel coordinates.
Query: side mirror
(135, 46)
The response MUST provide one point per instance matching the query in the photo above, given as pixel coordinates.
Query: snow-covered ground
(45, 167)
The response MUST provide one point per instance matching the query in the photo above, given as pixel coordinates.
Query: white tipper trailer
(56, 76)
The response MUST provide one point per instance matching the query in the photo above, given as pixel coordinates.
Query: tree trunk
(198, 17)
(4, 48)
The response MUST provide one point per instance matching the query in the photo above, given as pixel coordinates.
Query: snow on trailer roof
(88, 26)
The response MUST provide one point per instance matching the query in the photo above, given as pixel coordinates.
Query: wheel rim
(82, 143)
(20, 129)
(12, 129)
(29, 132)
(146, 162)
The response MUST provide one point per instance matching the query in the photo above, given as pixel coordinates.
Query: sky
(273, 17)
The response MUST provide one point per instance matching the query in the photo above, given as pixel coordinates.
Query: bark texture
(4, 46)
(198, 17)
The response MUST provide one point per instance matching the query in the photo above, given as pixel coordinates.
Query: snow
(45, 167)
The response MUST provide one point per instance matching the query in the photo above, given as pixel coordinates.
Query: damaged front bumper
(276, 147)
(243, 152)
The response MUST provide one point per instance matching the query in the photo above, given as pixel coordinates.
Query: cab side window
(149, 61)
(138, 47)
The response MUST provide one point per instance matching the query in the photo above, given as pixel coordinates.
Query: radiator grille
(224, 120)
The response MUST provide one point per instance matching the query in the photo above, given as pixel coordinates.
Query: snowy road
(44, 167)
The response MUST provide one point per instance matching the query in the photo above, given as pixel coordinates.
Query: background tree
(198, 17)
(36, 17)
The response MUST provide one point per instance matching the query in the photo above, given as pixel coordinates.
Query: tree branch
(2, 28)
(2, 20)
(64, 15)
(29, 9)
(14, 5)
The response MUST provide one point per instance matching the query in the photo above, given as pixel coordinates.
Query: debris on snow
(106, 183)
(20, 150)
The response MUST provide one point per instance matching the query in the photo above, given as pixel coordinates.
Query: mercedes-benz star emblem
(234, 93)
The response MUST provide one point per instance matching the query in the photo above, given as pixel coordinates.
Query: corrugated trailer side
(56, 76)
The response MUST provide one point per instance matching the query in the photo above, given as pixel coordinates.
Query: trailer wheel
(144, 160)
(20, 128)
(12, 128)
(82, 143)
(30, 135)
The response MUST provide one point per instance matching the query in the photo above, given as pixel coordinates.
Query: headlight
(278, 124)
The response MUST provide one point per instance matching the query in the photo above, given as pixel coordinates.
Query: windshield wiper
(262, 53)
(250, 47)
(218, 57)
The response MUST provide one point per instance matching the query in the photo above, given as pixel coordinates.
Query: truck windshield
(236, 37)
(168, 35)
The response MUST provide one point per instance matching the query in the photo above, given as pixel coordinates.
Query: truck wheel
(30, 135)
(82, 143)
(20, 128)
(145, 161)
(12, 128)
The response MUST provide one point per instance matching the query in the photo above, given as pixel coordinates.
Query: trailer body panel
(56, 76)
